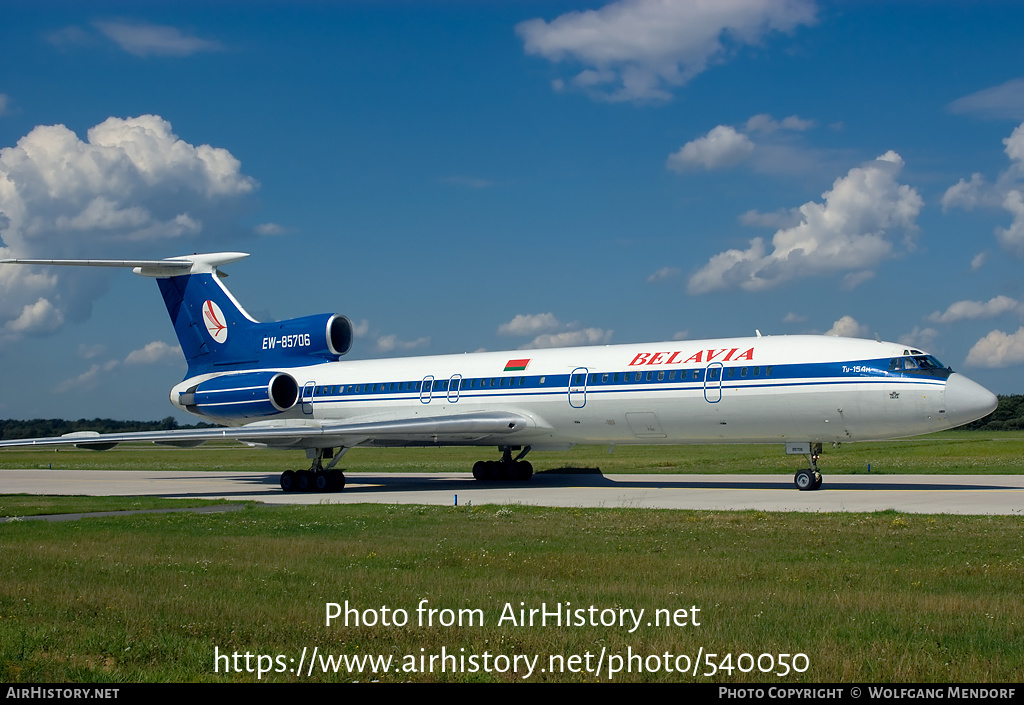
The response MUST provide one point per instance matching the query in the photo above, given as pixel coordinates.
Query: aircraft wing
(459, 429)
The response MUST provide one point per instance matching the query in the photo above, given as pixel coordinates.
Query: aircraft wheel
(336, 480)
(522, 471)
(804, 480)
(302, 480)
(321, 482)
(288, 481)
(480, 470)
(817, 481)
(492, 470)
(500, 471)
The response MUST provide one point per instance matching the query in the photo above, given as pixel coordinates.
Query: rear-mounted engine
(244, 395)
(321, 337)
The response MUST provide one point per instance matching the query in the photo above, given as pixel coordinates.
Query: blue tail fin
(216, 334)
(214, 331)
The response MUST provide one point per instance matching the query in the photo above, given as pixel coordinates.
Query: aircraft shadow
(371, 483)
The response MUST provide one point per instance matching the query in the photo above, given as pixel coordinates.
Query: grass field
(882, 597)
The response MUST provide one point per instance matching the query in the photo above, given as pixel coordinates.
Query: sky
(457, 176)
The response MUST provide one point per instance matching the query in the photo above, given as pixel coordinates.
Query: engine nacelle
(302, 340)
(241, 396)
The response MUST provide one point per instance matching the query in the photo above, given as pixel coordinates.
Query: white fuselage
(743, 390)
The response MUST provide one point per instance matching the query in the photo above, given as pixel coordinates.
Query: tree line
(13, 429)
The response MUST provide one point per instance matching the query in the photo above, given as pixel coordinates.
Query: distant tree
(13, 429)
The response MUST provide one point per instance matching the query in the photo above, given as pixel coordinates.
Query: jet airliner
(285, 385)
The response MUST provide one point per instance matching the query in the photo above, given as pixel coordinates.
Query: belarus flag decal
(517, 365)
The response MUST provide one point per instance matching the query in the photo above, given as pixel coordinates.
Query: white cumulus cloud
(131, 181)
(663, 274)
(721, 147)
(36, 318)
(998, 349)
(391, 343)
(640, 49)
(763, 143)
(848, 232)
(1006, 193)
(921, 338)
(155, 352)
(552, 332)
(529, 324)
(972, 310)
(847, 327)
(88, 379)
(767, 124)
(569, 338)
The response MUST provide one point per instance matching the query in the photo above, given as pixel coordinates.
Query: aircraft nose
(967, 400)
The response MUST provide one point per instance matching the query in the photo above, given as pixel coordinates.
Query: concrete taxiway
(923, 494)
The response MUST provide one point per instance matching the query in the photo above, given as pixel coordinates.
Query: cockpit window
(920, 364)
(927, 362)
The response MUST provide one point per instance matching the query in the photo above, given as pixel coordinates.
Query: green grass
(21, 505)
(951, 452)
(868, 597)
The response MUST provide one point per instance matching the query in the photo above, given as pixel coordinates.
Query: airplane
(285, 385)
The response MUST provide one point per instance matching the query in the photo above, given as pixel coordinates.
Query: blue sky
(456, 176)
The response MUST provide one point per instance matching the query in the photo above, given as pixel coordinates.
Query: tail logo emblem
(214, 319)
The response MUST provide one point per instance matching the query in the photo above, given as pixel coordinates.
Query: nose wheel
(809, 479)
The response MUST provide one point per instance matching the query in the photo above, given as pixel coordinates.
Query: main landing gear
(810, 479)
(317, 478)
(508, 468)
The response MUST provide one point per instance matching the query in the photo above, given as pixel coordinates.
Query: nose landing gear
(809, 479)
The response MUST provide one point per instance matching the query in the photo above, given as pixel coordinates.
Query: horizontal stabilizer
(170, 267)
